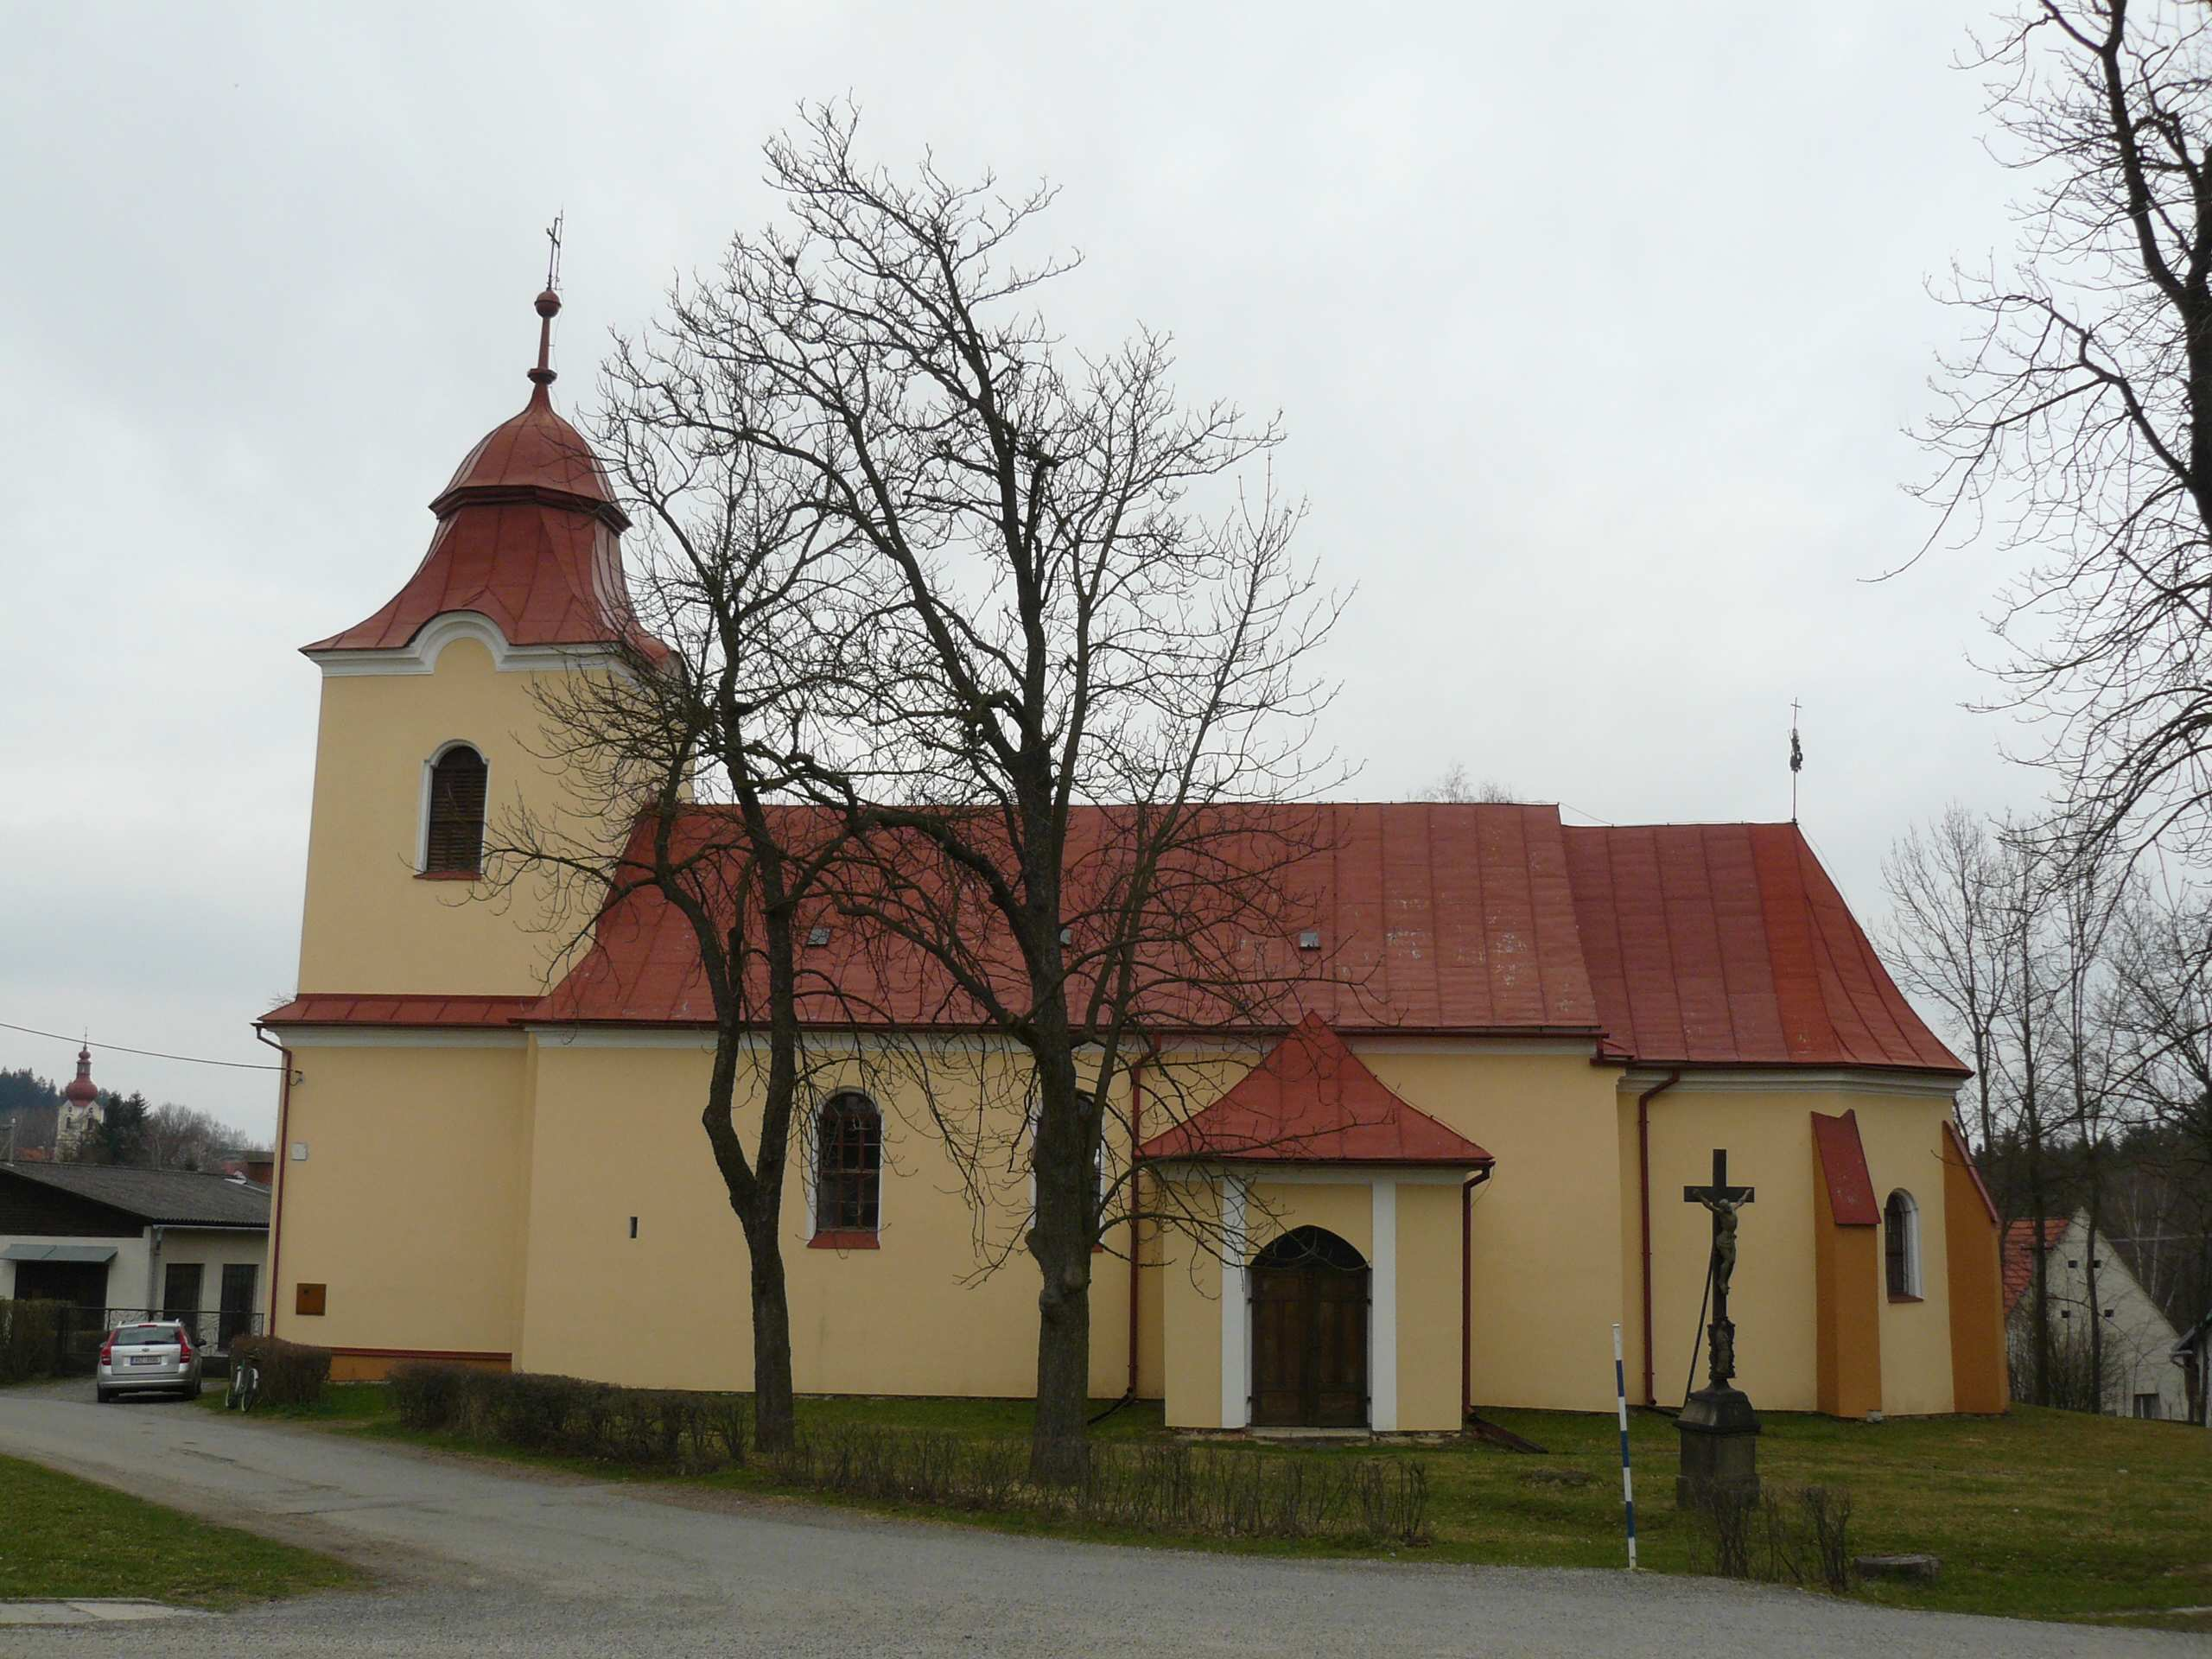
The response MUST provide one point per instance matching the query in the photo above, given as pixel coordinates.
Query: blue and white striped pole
(1627, 1481)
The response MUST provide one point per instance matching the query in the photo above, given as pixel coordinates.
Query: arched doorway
(1309, 1332)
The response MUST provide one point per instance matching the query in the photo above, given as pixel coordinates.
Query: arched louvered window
(453, 841)
(1901, 1243)
(848, 1178)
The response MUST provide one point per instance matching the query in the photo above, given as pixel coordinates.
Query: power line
(151, 1053)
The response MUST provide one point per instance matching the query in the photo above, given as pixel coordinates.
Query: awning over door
(88, 1252)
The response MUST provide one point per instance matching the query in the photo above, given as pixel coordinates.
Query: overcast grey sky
(1595, 328)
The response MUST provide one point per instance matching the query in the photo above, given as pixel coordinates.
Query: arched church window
(849, 1165)
(453, 840)
(1901, 1243)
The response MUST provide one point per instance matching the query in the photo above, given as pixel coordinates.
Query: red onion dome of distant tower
(82, 1089)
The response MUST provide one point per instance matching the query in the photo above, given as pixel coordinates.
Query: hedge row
(573, 1417)
(1217, 1491)
(292, 1373)
(30, 1337)
(1211, 1491)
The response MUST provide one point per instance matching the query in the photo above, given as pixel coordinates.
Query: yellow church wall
(1774, 1296)
(618, 1134)
(1548, 1260)
(1429, 1319)
(1904, 1147)
(408, 1207)
(1345, 1206)
(1971, 1243)
(373, 924)
(1189, 1300)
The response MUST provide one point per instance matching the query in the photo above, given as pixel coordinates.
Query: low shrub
(427, 1394)
(1798, 1535)
(1226, 1492)
(292, 1373)
(569, 1417)
(30, 1339)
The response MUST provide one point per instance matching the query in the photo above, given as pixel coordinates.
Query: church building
(80, 1116)
(1439, 1192)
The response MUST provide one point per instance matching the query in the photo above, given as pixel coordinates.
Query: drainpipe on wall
(154, 1233)
(1136, 1193)
(1643, 1208)
(1467, 1291)
(283, 1152)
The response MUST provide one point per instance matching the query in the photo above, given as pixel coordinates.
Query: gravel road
(479, 1560)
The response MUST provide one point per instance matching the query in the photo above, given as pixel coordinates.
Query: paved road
(480, 1562)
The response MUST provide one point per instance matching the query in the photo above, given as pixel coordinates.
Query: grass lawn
(65, 1537)
(2037, 1514)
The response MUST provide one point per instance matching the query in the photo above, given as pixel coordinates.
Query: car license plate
(145, 1359)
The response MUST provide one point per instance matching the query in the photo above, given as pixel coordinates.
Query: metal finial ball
(549, 304)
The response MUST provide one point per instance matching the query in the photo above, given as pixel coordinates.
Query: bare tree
(183, 1137)
(695, 739)
(1081, 642)
(1458, 789)
(1946, 938)
(2080, 415)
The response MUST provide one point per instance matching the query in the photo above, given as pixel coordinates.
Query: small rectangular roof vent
(1309, 938)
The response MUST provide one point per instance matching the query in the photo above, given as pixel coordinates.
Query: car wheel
(192, 1393)
(103, 1395)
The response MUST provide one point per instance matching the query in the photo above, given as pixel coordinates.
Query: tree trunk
(773, 1424)
(1063, 1361)
(1060, 1237)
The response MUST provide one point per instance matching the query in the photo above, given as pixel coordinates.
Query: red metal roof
(2019, 1256)
(1312, 1100)
(1431, 917)
(1843, 1166)
(341, 1008)
(1728, 944)
(1713, 945)
(528, 535)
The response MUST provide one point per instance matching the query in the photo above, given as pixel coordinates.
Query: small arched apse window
(453, 836)
(1901, 1243)
(848, 1178)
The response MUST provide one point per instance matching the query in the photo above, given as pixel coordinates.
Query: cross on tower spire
(548, 306)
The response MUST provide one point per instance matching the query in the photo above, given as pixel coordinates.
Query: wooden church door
(1309, 1291)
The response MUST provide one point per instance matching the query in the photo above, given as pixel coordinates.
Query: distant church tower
(80, 1110)
(429, 732)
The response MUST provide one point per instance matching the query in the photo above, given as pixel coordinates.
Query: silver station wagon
(136, 1358)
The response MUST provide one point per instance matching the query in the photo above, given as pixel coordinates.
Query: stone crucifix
(1724, 1202)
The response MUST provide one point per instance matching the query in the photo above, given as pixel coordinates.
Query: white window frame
(422, 813)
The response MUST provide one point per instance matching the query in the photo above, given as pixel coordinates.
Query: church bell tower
(430, 729)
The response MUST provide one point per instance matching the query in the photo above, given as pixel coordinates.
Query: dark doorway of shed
(1309, 1293)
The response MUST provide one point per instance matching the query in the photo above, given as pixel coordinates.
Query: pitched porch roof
(1311, 1100)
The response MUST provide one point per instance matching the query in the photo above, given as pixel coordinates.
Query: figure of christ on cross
(1724, 1202)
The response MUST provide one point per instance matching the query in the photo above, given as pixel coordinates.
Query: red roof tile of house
(1310, 1099)
(1715, 945)
(528, 536)
(1728, 944)
(2019, 1256)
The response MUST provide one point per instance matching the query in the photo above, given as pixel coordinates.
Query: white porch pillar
(1383, 1316)
(1235, 1340)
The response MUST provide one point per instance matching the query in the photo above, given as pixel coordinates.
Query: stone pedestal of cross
(1720, 1430)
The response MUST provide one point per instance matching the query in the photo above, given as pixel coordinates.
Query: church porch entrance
(1310, 1297)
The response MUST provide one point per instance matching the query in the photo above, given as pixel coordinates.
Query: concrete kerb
(92, 1609)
